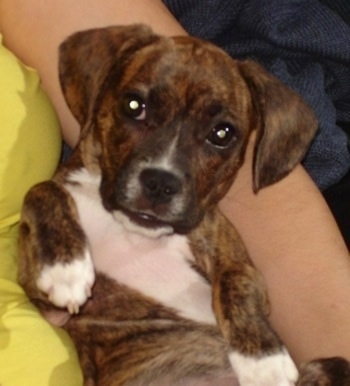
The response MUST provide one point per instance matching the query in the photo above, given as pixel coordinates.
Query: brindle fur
(123, 337)
(325, 372)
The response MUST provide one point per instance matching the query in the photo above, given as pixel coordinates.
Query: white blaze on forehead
(167, 159)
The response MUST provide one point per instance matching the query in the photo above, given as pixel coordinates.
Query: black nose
(159, 186)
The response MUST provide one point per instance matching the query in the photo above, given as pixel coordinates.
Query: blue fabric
(304, 43)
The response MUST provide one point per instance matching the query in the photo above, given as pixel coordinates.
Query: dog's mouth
(145, 220)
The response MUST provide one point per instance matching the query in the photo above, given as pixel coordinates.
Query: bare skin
(288, 228)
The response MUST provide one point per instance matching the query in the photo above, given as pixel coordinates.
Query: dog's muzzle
(155, 197)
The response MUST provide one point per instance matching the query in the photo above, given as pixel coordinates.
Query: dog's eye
(222, 135)
(134, 107)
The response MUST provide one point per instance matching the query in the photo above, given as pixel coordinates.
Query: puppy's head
(166, 121)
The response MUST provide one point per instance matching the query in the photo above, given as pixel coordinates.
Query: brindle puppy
(127, 236)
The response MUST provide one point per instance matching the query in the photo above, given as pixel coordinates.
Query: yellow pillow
(32, 352)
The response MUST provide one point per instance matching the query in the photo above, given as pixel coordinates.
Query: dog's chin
(143, 223)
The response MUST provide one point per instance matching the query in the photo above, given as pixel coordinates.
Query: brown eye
(134, 107)
(222, 135)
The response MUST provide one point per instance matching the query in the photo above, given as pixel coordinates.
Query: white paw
(68, 285)
(270, 370)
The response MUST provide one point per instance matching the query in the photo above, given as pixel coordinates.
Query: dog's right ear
(87, 57)
(285, 125)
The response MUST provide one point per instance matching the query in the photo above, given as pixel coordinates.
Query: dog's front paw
(276, 369)
(68, 285)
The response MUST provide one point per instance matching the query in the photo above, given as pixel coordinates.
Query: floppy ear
(285, 126)
(87, 57)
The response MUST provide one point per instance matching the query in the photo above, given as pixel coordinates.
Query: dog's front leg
(257, 355)
(240, 304)
(55, 264)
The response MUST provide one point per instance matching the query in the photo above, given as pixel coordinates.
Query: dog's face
(173, 132)
(166, 122)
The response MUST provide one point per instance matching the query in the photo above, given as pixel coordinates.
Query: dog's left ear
(285, 125)
(87, 57)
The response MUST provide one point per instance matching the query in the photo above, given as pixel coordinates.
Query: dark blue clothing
(305, 43)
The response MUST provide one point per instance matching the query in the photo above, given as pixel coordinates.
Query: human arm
(294, 241)
(288, 229)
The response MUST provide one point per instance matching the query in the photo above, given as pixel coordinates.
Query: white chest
(157, 267)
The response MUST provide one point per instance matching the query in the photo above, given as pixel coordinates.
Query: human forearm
(293, 240)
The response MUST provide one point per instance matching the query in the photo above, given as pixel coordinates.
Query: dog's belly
(157, 267)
